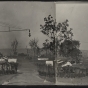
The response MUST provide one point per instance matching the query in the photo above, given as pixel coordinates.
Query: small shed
(49, 63)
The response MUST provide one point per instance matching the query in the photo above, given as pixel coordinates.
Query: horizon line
(27, 48)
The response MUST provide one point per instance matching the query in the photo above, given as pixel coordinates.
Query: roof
(12, 60)
(67, 64)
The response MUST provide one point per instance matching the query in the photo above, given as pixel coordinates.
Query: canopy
(67, 64)
(12, 60)
(49, 63)
(43, 58)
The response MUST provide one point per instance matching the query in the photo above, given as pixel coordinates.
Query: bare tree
(34, 45)
(14, 45)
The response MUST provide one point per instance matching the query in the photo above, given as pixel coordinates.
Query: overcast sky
(77, 14)
(25, 15)
(31, 15)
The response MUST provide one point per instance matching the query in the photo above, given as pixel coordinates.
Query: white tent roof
(49, 63)
(67, 64)
(12, 60)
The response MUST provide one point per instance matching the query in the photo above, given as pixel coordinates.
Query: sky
(29, 15)
(26, 15)
(77, 14)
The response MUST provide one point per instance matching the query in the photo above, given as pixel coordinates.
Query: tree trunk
(55, 63)
(46, 52)
(34, 54)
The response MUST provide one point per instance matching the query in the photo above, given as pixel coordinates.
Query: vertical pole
(55, 56)
(27, 51)
(55, 61)
(46, 73)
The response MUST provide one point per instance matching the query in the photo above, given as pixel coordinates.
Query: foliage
(33, 43)
(38, 50)
(61, 37)
(46, 45)
(22, 54)
(1, 55)
(56, 31)
(70, 49)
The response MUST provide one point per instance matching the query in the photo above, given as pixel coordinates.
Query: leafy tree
(71, 49)
(14, 45)
(61, 37)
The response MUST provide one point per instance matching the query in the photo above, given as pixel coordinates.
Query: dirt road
(28, 75)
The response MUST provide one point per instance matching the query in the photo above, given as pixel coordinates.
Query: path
(28, 76)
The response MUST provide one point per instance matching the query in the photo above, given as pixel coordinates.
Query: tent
(67, 64)
(49, 63)
(12, 60)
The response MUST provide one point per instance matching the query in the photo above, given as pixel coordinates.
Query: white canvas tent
(49, 63)
(43, 58)
(12, 60)
(67, 64)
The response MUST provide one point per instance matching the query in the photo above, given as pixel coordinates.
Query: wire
(9, 26)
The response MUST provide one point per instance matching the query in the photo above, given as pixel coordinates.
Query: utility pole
(56, 60)
(56, 71)
(27, 50)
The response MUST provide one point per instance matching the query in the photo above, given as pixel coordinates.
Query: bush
(43, 70)
(29, 57)
(1, 55)
(22, 54)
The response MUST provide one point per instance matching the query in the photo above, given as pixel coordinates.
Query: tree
(14, 45)
(61, 37)
(1, 55)
(34, 45)
(38, 50)
(59, 34)
(71, 49)
(56, 32)
(46, 45)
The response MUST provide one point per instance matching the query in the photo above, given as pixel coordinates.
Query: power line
(20, 30)
(9, 26)
(5, 24)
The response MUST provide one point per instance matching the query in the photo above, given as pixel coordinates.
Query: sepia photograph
(43, 43)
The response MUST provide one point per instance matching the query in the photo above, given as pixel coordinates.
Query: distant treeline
(8, 51)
